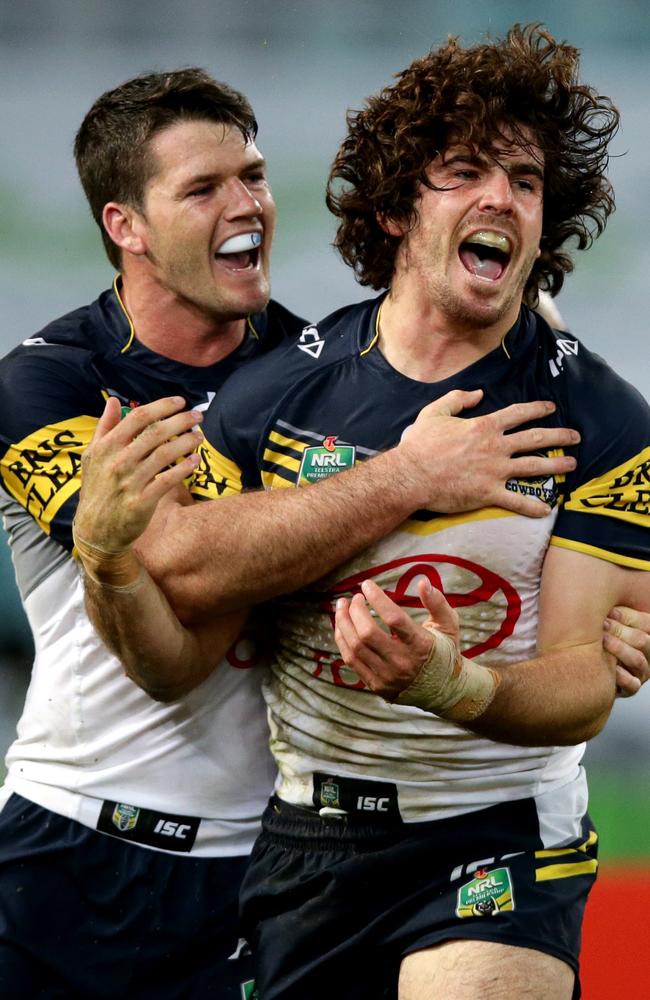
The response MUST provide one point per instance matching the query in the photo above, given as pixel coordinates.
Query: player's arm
(562, 696)
(128, 610)
(223, 555)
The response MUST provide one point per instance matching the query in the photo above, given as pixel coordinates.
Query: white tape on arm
(120, 571)
(449, 685)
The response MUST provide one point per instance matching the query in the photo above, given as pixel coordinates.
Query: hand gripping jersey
(91, 745)
(331, 400)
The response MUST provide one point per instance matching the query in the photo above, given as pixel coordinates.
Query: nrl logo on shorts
(125, 817)
(486, 895)
(248, 990)
(325, 460)
(329, 794)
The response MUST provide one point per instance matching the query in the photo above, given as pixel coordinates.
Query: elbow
(165, 692)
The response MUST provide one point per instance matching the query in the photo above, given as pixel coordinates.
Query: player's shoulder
(278, 323)
(50, 373)
(67, 341)
(586, 380)
(311, 349)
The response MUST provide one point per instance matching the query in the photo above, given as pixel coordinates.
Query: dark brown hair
(527, 81)
(111, 147)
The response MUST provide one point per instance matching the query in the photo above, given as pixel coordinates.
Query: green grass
(620, 807)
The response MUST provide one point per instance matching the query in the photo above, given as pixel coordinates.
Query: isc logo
(370, 803)
(167, 828)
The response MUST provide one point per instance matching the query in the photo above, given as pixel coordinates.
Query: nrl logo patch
(486, 895)
(330, 795)
(325, 460)
(248, 990)
(125, 817)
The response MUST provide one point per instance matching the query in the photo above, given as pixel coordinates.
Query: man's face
(208, 186)
(477, 236)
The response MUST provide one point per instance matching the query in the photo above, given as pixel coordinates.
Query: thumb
(443, 616)
(109, 419)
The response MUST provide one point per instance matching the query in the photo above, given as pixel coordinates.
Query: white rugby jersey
(194, 774)
(332, 400)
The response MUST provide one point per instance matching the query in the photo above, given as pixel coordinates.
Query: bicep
(578, 591)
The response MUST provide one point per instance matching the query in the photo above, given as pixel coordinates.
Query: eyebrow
(214, 175)
(529, 168)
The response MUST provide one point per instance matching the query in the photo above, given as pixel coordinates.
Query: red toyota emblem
(489, 584)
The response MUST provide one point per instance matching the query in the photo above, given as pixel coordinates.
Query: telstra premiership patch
(486, 895)
(325, 460)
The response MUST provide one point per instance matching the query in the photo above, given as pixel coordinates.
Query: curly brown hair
(112, 146)
(527, 82)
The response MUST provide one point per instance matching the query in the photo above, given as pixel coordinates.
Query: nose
(241, 201)
(496, 195)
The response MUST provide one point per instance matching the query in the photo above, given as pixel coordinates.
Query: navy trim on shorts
(332, 904)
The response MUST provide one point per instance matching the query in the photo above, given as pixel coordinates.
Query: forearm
(560, 698)
(159, 654)
(204, 559)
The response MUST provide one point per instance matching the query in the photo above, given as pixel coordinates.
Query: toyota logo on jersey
(470, 584)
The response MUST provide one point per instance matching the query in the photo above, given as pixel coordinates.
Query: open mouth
(486, 255)
(240, 252)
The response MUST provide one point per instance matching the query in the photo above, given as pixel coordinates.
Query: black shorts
(85, 916)
(332, 905)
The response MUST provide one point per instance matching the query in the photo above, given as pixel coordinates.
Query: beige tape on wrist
(450, 685)
(113, 570)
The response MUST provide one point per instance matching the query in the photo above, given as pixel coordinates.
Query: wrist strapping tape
(450, 685)
(113, 570)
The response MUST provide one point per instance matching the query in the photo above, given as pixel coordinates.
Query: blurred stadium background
(303, 64)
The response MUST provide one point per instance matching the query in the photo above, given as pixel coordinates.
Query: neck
(175, 328)
(425, 345)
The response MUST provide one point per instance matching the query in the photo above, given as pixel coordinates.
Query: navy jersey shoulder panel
(236, 422)
(53, 389)
(606, 506)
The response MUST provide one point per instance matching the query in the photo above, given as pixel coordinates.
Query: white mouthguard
(241, 243)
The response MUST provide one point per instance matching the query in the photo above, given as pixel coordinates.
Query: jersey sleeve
(606, 510)
(48, 413)
(232, 429)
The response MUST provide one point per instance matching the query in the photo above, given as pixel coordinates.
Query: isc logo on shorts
(369, 803)
(144, 826)
(356, 795)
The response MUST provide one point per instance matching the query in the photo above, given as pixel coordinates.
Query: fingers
(161, 432)
(141, 418)
(522, 413)
(396, 620)
(529, 506)
(626, 684)
(631, 647)
(355, 649)
(541, 439)
(109, 419)
(386, 661)
(179, 449)
(631, 617)
(454, 402)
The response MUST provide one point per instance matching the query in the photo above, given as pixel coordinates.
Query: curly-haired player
(429, 823)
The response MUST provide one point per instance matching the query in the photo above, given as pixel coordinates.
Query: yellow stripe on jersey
(288, 462)
(443, 521)
(557, 851)
(272, 481)
(42, 471)
(623, 492)
(275, 437)
(593, 550)
(216, 476)
(569, 870)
